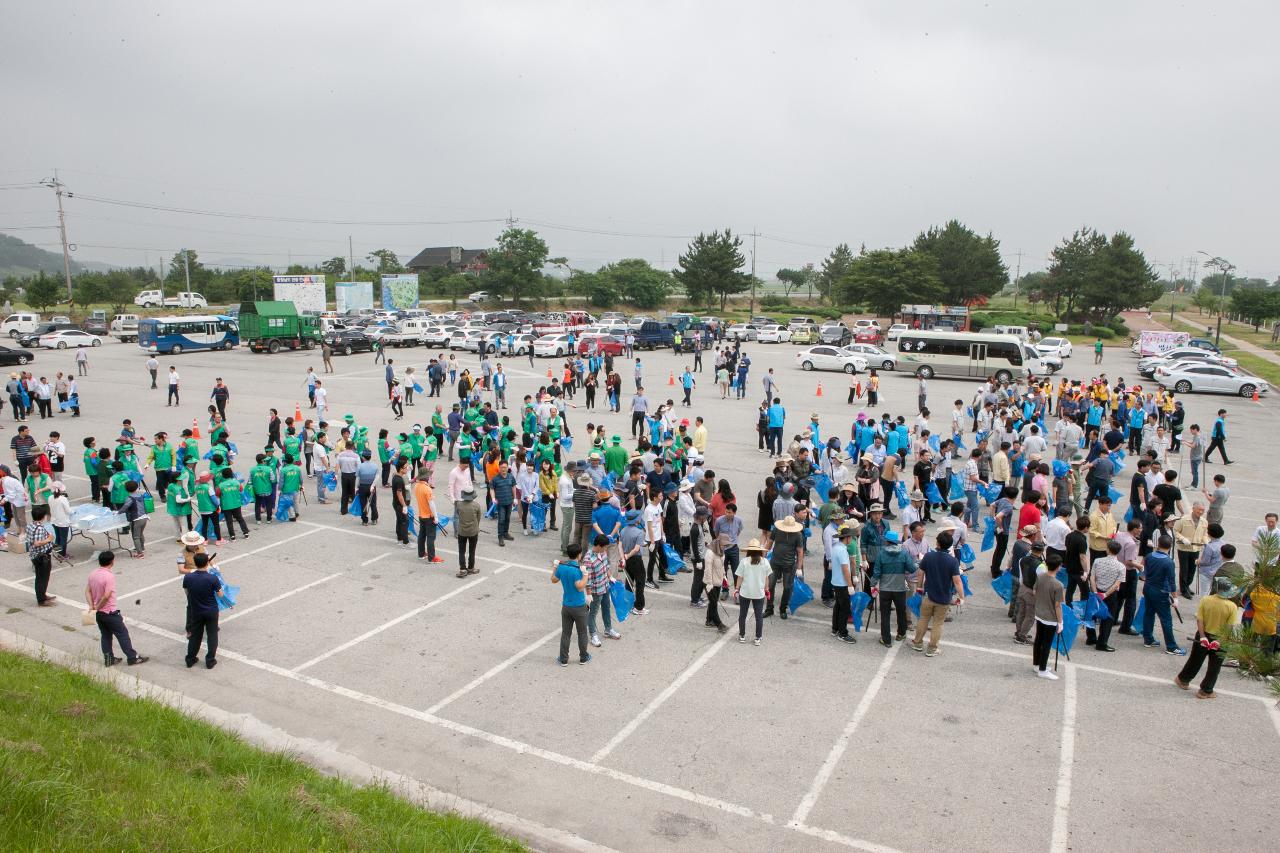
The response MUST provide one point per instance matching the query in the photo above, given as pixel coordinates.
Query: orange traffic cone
(671, 378)
(195, 428)
(818, 393)
(549, 374)
(297, 413)
(1255, 395)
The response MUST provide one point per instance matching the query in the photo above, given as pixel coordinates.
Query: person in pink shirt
(459, 482)
(100, 595)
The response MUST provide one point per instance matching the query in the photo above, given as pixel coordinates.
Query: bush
(773, 300)
(986, 319)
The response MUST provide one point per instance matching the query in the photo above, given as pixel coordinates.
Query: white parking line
(499, 668)
(648, 710)
(373, 560)
(1059, 842)
(279, 597)
(385, 625)
(810, 798)
(221, 563)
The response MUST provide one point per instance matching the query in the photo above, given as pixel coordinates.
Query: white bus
(968, 354)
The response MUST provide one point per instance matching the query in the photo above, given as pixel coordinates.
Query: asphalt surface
(674, 737)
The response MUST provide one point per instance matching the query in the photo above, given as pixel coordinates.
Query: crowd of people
(894, 512)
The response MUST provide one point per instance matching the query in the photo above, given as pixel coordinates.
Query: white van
(19, 324)
(124, 327)
(329, 324)
(188, 299)
(149, 299)
(1020, 332)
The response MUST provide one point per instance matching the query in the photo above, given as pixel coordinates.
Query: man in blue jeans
(1160, 590)
(503, 486)
(777, 420)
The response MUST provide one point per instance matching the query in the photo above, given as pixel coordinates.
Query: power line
(141, 205)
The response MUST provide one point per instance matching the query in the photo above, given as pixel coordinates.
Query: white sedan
(830, 358)
(438, 336)
(742, 332)
(773, 335)
(895, 330)
(64, 338)
(1061, 347)
(874, 355)
(551, 345)
(1186, 377)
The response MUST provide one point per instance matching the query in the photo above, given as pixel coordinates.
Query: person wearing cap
(467, 515)
(872, 538)
(1214, 617)
(367, 473)
(261, 485)
(616, 458)
(840, 577)
(889, 575)
(938, 576)
(788, 556)
(749, 585)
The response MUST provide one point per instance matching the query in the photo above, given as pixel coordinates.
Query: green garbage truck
(273, 326)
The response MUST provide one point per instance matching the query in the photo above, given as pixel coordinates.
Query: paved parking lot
(674, 737)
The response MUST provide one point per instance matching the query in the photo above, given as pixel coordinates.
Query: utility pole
(752, 310)
(1173, 294)
(59, 189)
(1017, 278)
(351, 253)
(186, 265)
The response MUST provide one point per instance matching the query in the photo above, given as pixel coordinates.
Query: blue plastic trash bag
(413, 524)
(283, 505)
(822, 486)
(1117, 459)
(859, 602)
(801, 594)
(967, 557)
(932, 494)
(1003, 587)
(988, 533)
(442, 522)
(226, 597)
(538, 516)
(1060, 468)
(1062, 576)
(964, 583)
(1128, 514)
(1115, 494)
(136, 476)
(914, 604)
(1138, 614)
(567, 442)
(991, 493)
(492, 511)
(417, 387)
(623, 600)
(68, 405)
(1095, 609)
(606, 482)
(674, 561)
(1070, 627)
(934, 442)
(968, 411)
(851, 449)
(957, 488)
(958, 440)
(355, 506)
(331, 480)
(900, 491)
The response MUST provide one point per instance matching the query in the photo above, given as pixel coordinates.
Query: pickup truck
(651, 334)
(560, 324)
(124, 328)
(186, 299)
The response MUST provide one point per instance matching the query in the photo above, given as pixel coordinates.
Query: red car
(868, 335)
(606, 344)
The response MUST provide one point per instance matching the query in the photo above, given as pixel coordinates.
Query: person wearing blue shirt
(503, 487)
(743, 367)
(687, 382)
(1158, 594)
(1218, 438)
(777, 416)
(573, 604)
(1137, 418)
(1094, 418)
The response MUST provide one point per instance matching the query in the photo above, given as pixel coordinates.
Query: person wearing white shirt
(564, 497)
(459, 482)
(174, 379)
(60, 518)
(16, 496)
(320, 467)
(527, 484)
(1055, 532)
(322, 401)
(1035, 443)
(1267, 532)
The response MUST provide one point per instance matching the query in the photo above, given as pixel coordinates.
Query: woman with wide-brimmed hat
(748, 584)
(787, 555)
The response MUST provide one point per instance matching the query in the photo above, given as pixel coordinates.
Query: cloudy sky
(424, 123)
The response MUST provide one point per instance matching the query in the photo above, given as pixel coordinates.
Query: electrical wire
(268, 218)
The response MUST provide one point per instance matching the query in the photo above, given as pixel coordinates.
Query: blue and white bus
(173, 335)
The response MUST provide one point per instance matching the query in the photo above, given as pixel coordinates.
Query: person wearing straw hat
(467, 530)
(749, 587)
(788, 554)
(842, 580)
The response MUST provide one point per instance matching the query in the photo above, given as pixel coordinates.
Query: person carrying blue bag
(889, 576)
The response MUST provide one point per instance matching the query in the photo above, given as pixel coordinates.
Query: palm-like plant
(1255, 653)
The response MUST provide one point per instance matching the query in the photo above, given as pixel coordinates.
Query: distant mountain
(18, 258)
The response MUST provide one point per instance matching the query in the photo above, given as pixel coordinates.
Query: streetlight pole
(1225, 266)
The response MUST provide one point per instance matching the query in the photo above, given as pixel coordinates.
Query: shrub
(773, 300)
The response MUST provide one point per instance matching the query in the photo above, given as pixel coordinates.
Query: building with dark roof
(455, 258)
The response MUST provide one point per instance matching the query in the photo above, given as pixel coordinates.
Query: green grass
(83, 767)
(1255, 364)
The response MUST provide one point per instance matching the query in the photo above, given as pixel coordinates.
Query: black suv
(31, 339)
(347, 341)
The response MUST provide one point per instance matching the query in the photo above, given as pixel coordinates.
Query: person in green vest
(119, 477)
(430, 451)
(545, 449)
(386, 451)
(207, 505)
(465, 444)
(262, 483)
(230, 500)
(530, 421)
(125, 454)
(292, 444)
(615, 458)
(415, 447)
(93, 469)
(163, 460)
(437, 429)
(290, 484)
(39, 488)
(177, 499)
(189, 448)
(218, 432)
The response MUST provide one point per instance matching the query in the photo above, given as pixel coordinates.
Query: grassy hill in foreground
(81, 765)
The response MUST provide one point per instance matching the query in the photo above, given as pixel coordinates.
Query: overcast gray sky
(815, 122)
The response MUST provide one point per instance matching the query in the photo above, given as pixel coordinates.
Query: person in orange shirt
(424, 500)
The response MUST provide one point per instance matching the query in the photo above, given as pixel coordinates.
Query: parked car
(1203, 343)
(835, 334)
(762, 321)
(1061, 347)
(1186, 377)
(551, 345)
(866, 322)
(606, 344)
(95, 326)
(1147, 366)
(825, 357)
(186, 299)
(773, 335)
(742, 332)
(347, 341)
(895, 330)
(72, 337)
(32, 338)
(485, 340)
(874, 355)
(799, 321)
(868, 335)
(651, 334)
(15, 356)
(480, 296)
(807, 334)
